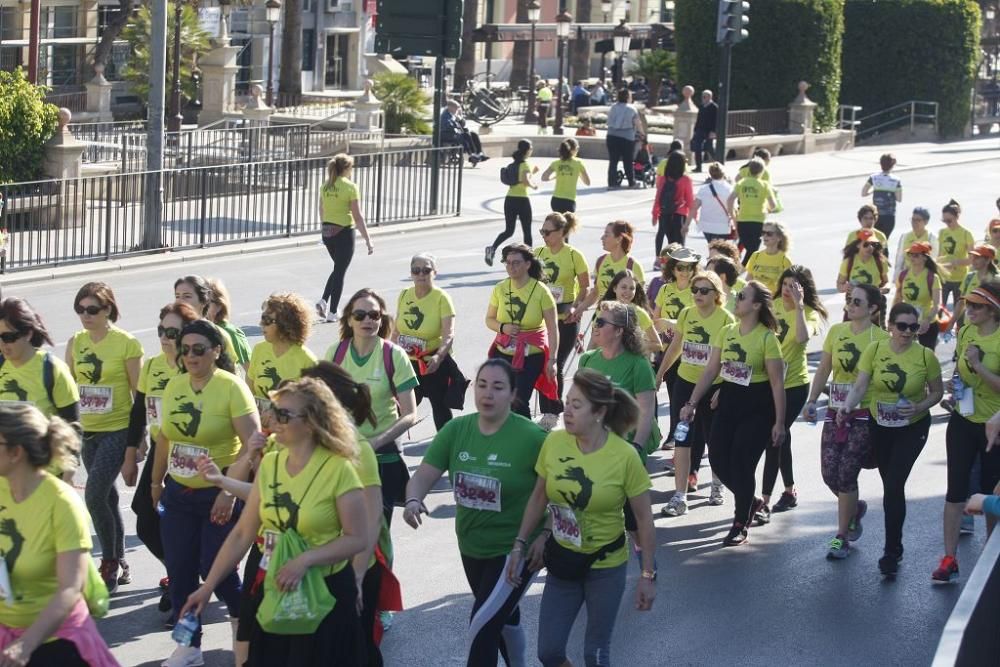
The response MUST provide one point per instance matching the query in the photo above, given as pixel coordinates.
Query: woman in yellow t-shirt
(751, 401)
(425, 327)
(523, 314)
(626, 288)
(45, 620)
(617, 241)
(516, 205)
(105, 362)
(864, 263)
(768, 264)
(983, 268)
(340, 211)
(568, 169)
(197, 292)
(207, 411)
(311, 486)
(920, 286)
(591, 454)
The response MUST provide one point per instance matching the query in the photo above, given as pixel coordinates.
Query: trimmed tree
(26, 123)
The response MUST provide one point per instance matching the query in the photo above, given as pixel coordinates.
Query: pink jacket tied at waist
(78, 628)
(545, 385)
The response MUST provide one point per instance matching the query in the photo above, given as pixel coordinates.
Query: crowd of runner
(290, 463)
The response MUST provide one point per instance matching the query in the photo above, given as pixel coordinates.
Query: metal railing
(96, 218)
(912, 113)
(104, 139)
(847, 117)
(752, 122)
(73, 100)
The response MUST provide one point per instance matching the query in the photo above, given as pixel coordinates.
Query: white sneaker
(332, 316)
(676, 506)
(716, 497)
(322, 308)
(548, 421)
(184, 656)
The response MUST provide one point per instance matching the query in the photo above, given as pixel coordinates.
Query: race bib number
(838, 395)
(557, 292)
(477, 492)
(270, 541)
(154, 408)
(887, 414)
(412, 344)
(183, 460)
(565, 527)
(96, 399)
(736, 372)
(695, 354)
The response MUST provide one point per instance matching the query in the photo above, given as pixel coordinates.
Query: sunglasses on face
(769, 232)
(421, 271)
(600, 322)
(170, 333)
(856, 302)
(198, 350)
(90, 310)
(283, 416)
(360, 315)
(266, 320)
(872, 244)
(704, 291)
(546, 232)
(10, 336)
(684, 267)
(903, 327)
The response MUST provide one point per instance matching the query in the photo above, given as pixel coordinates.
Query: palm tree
(654, 66)
(290, 74)
(403, 103)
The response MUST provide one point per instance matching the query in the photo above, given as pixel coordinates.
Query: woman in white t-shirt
(709, 207)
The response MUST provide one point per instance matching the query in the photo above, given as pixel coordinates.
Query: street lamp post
(606, 8)
(991, 14)
(564, 22)
(273, 9)
(534, 11)
(176, 119)
(622, 37)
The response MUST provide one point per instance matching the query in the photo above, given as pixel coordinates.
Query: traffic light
(419, 27)
(733, 20)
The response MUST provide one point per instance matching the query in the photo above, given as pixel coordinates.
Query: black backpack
(511, 174)
(48, 376)
(667, 194)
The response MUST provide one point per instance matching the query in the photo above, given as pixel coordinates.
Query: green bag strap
(277, 462)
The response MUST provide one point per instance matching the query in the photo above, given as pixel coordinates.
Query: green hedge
(912, 50)
(790, 41)
(26, 123)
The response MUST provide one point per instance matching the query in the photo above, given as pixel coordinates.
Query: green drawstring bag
(95, 592)
(296, 612)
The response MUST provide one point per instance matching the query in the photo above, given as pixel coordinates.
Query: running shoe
(692, 482)
(946, 572)
(322, 308)
(489, 255)
(760, 513)
(483, 157)
(676, 506)
(332, 317)
(737, 535)
(716, 497)
(968, 526)
(668, 444)
(888, 564)
(109, 573)
(184, 656)
(786, 502)
(854, 528)
(548, 421)
(839, 549)
(164, 605)
(125, 575)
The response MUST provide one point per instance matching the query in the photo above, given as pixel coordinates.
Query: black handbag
(572, 565)
(458, 384)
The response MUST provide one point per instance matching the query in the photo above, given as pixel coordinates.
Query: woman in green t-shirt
(490, 458)
(568, 169)
(586, 476)
(516, 205)
(751, 401)
(220, 306)
(44, 620)
(901, 382)
(340, 211)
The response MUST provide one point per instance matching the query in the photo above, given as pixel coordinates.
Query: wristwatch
(648, 574)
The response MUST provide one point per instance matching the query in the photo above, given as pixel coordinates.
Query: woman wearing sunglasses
(767, 265)
(105, 361)
(286, 321)
(800, 314)
(425, 328)
(490, 458)
(626, 289)
(864, 263)
(751, 402)
(673, 297)
(207, 411)
(900, 381)
(310, 485)
(983, 269)
(695, 328)
(523, 313)
(220, 306)
(920, 287)
(365, 352)
(566, 274)
(975, 400)
(844, 449)
(147, 411)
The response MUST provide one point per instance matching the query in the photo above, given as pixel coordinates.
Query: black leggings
(885, 224)
(671, 227)
(341, 249)
(621, 150)
(952, 289)
(567, 341)
(741, 431)
(670, 379)
(929, 339)
(60, 652)
(563, 205)
(491, 613)
(701, 428)
(370, 586)
(524, 381)
(434, 387)
(514, 208)
(965, 441)
(795, 399)
(749, 233)
(896, 450)
(395, 476)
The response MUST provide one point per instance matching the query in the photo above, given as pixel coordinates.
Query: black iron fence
(94, 218)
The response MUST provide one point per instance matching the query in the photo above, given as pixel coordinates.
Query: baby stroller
(644, 164)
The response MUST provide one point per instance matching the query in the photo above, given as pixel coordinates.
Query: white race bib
(510, 348)
(477, 492)
(412, 344)
(557, 292)
(695, 354)
(96, 399)
(565, 527)
(154, 408)
(736, 372)
(838, 395)
(183, 461)
(270, 541)
(887, 414)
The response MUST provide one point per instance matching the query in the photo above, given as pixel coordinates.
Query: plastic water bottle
(903, 402)
(948, 335)
(185, 628)
(681, 431)
(958, 386)
(811, 414)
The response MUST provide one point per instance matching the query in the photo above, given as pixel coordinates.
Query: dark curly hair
(292, 315)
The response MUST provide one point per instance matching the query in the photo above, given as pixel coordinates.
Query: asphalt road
(775, 600)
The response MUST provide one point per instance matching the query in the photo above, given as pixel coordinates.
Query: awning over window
(546, 32)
